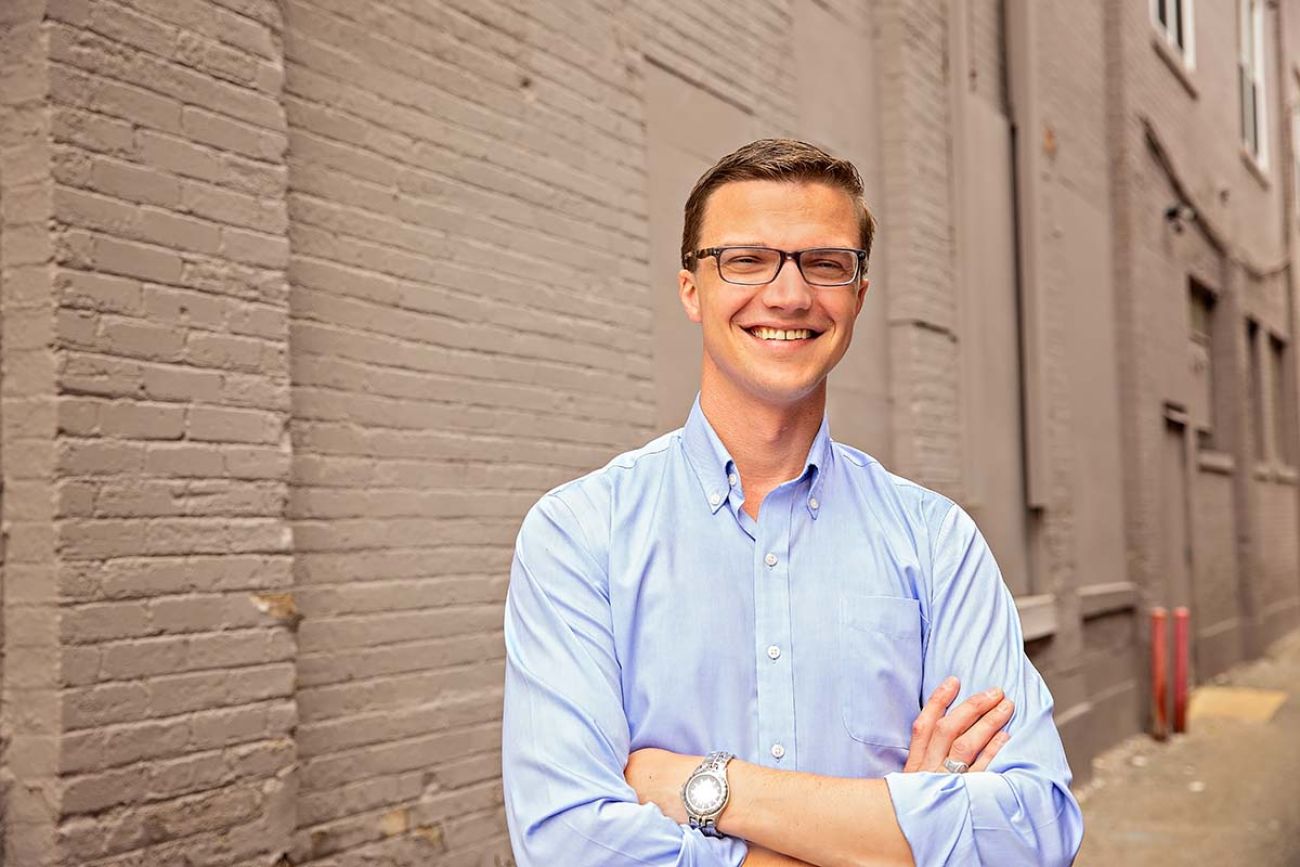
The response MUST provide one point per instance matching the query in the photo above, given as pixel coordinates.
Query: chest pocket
(880, 645)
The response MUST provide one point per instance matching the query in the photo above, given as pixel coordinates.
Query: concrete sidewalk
(1225, 793)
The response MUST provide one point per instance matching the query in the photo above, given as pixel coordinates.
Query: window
(1283, 430)
(1201, 303)
(1255, 390)
(1173, 21)
(1250, 75)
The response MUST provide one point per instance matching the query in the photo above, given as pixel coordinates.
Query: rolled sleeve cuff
(934, 812)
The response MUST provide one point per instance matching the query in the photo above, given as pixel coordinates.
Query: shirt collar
(713, 464)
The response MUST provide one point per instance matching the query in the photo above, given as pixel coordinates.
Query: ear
(689, 294)
(862, 295)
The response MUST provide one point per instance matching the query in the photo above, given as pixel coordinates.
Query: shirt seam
(587, 549)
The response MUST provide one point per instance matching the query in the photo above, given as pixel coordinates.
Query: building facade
(303, 303)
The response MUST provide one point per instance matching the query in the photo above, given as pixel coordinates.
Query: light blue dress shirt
(646, 609)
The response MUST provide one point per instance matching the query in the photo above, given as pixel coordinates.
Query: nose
(788, 290)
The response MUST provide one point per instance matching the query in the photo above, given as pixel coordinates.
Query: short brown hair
(775, 159)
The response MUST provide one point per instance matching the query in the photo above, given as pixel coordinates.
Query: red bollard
(1159, 721)
(1182, 621)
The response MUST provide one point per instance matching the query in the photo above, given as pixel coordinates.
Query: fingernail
(1003, 737)
(1005, 704)
(993, 693)
(949, 681)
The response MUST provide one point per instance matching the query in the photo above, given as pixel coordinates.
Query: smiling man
(719, 645)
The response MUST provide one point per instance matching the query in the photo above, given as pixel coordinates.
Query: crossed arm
(790, 817)
(566, 740)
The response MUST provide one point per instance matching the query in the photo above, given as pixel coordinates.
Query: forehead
(780, 212)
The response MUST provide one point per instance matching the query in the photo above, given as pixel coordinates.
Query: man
(747, 586)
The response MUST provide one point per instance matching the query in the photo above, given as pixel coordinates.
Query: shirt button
(813, 504)
(733, 479)
(770, 559)
(777, 751)
(715, 498)
(773, 652)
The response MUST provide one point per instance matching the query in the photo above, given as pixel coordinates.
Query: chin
(784, 393)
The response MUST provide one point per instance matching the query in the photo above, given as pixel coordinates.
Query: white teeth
(766, 333)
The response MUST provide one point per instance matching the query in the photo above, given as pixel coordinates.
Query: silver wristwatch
(705, 793)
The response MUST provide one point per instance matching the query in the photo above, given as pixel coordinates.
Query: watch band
(715, 761)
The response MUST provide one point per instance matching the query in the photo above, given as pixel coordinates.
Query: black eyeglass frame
(786, 255)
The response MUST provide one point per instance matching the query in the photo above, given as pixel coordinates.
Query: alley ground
(1225, 793)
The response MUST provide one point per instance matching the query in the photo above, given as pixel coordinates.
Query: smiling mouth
(762, 332)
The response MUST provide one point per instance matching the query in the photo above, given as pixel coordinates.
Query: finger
(968, 745)
(923, 726)
(986, 757)
(955, 724)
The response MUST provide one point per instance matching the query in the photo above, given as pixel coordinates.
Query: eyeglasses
(755, 266)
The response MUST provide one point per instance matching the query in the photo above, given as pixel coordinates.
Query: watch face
(704, 794)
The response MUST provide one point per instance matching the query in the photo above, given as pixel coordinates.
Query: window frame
(1203, 302)
(1167, 30)
(1251, 70)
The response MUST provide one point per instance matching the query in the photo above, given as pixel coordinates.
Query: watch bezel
(720, 778)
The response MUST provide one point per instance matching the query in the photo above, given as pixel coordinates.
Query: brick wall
(31, 688)
(465, 335)
(160, 333)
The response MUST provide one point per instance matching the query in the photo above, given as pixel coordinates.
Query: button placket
(772, 625)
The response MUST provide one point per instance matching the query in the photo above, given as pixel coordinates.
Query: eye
(830, 263)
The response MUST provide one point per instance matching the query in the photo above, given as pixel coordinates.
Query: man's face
(787, 216)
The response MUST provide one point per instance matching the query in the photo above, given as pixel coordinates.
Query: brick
(179, 156)
(143, 421)
(215, 424)
(134, 183)
(174, 230)
(183, 460)
(100, 292)
(129, 259)
(105, 620)
(200, 613)
(125, 25)
(227, 206)
(177, 383)
(244, 33)
(140, 339)
(104, 704)
(224, 726)
(76, 499)
(232, 135)
(255, 248)
(99, 458)
(100, 791)
(187, 307)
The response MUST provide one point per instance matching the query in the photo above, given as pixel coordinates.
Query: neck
(769, 442)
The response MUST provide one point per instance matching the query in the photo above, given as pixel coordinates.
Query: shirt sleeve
(1021, 810)
(565, 736)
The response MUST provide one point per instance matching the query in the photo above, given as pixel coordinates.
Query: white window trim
(1169, 34)
(1257, 75)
